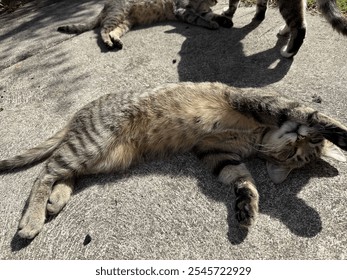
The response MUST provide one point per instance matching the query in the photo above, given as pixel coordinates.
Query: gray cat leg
(35, 214)
(60, 196)
(261, 9)
(230, 11)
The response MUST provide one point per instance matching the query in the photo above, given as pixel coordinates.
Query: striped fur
(222, 125)
(293, 12)
(119, 16)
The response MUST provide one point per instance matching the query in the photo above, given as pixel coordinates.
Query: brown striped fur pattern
(293, 12)
(119, 16)
(222, 125)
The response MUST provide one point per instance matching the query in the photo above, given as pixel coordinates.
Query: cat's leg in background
(284, 30)
(230, 11)
(221, 20)
(294, 16)
(111, 37)
(232, 172)
(191, 17)
(60, 195)
(118, 32)
(261, 9)
(105, 37)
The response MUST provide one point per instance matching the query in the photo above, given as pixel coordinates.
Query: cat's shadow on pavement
(218, 55)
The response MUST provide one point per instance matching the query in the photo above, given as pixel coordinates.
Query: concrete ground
(170, 209)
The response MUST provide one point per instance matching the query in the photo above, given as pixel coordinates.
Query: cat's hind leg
(227, 166)
(246, 194)
(35, 214)
(284, 30)
(294, 15)
(60, 195)
(60, 168)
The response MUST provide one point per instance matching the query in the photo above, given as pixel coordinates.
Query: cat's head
(292, 146)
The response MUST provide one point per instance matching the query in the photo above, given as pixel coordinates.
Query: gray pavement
(170, 209)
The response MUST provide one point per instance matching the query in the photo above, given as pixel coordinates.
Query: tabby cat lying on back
(119, 16)
(293, 12)
(220, 124)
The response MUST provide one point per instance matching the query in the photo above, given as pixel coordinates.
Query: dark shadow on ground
(219, 56)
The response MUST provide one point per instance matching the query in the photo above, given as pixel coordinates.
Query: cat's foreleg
(230, 11)
(223, 21)
(232, 172)
(191, 17)
(275, 110)
(247, 197)
(111, 38)
(261, 9)
(284, 30)
(294, 16)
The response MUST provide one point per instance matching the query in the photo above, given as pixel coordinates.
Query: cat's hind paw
(59, 197)
(31, 224)
(284, 30)
(285, 53)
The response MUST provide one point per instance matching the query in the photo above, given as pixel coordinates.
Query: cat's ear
(277, 173)
(332, 151)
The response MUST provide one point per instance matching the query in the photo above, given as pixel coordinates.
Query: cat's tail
(80, 28)
(35, 154)
(333, 15)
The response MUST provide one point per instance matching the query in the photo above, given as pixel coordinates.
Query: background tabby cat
(119, 16)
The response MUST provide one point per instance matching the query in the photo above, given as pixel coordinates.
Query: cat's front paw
(246, 207)
(115, 42)
(31, 223)
(224, 21)
(213, 25)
